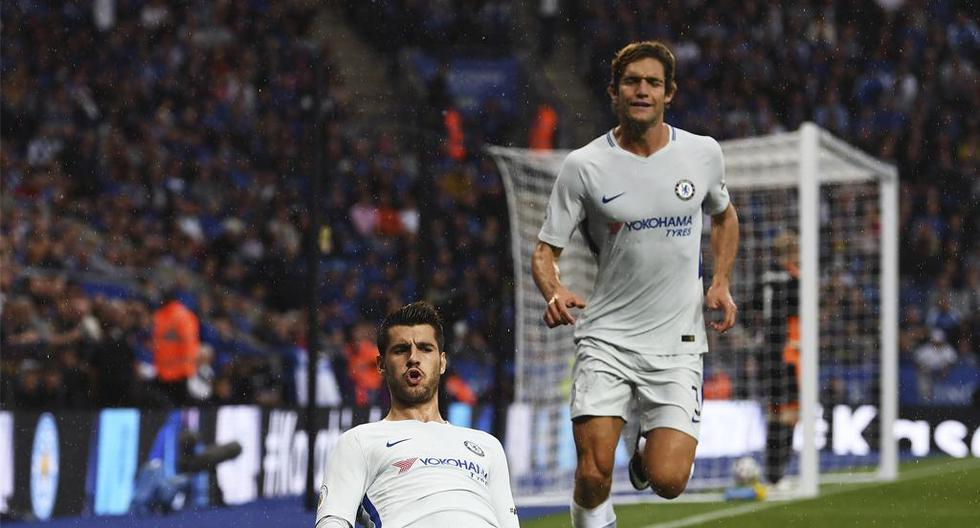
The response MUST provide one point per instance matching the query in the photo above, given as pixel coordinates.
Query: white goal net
(805, 198)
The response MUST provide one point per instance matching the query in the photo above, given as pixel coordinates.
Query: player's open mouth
(641, 105)
(414, 376)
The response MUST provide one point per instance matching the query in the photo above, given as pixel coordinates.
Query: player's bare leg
(668, 457)
(595, 443)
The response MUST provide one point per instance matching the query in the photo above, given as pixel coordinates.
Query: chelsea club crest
(684, 190)
(473, 447)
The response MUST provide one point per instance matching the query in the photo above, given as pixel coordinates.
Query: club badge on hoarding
(44, 467)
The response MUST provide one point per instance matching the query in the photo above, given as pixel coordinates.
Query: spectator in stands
(28, 391)
(934, 360)
(967, 352)
(457, 388)
(200, 386)
(113, 360)
(23, 331)
(943, 316)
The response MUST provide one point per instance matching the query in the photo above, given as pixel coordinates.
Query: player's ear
(381, 362)
(669, 95)
(611, 90)
(443, 363)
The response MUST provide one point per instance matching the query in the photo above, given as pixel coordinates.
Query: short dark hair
(641, 50)
(416, 313)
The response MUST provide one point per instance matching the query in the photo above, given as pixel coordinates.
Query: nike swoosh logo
(389, 444)
(611, 198)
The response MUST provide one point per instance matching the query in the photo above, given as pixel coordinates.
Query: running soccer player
(413, 469)
(637, 194)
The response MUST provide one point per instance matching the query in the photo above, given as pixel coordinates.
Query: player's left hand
(720, 298)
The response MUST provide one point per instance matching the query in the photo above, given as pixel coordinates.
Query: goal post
(842, 204)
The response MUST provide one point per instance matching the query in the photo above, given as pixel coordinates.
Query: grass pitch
(939, 492)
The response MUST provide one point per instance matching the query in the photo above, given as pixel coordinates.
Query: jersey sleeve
(716, 199)
(345, 482)
(501, 497)
(566, 206)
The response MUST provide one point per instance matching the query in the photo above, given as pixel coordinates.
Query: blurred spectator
(458, 389)
(943, 316)
(934, 359)
(717, 386)
(834, 392)
(389, 220)
(200, 385)
(29, 392)
(967, 352)
(455, 135)
(547, 23)
(113, 360)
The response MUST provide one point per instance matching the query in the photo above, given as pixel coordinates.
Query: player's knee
(596, 465)
(670, 489)
(593, 479)
(669, 484)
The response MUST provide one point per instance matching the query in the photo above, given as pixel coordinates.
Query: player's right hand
(559, 310)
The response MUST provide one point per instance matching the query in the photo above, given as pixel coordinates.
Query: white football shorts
(608, 380)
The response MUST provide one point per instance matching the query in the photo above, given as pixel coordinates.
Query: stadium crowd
(160, 150)
(173, 163)
(146, 149)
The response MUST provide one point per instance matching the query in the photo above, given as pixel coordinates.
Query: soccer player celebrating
(413, 469)
(637, 194)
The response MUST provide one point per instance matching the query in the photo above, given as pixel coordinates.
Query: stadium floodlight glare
(843, 204)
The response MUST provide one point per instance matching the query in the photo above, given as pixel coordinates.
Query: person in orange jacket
(455, 135)
(176, 343)
(362, 368)
(460, 390)
(543, 128)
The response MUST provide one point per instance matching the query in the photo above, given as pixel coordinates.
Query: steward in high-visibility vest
(455, 137)
(176, 343)
(543, 128)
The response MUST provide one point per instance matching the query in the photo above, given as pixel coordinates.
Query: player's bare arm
(724, 246)
(544, 268)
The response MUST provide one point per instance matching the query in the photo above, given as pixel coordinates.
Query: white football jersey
(642, 218)
(404, 473)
